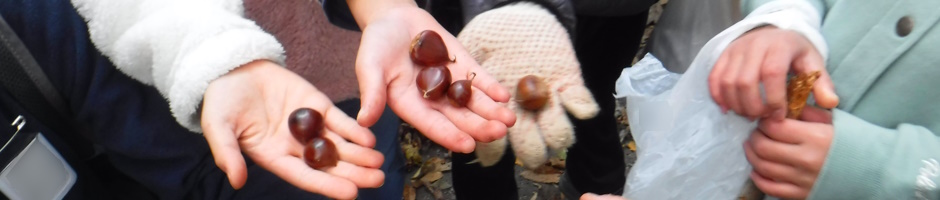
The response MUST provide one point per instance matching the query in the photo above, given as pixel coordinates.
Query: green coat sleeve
(866, 161)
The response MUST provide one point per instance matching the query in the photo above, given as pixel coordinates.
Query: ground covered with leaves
(429, 167)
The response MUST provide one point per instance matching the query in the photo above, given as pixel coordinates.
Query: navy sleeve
(337, 11)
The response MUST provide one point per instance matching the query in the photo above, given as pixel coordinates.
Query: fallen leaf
(557, 163)
(546, 169)
(446, 167)
(409, 193)
(436, 192)
(540, 178)
(632, 146)
(431, 177)
(519, 162)
(535, 195)
(442, 185)
(417, 174)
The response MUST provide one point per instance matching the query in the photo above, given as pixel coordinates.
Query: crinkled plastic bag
(686, 148)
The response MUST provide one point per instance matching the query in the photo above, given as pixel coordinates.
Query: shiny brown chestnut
(460, 91)
(428, 49)
(320, 153)
(433, 82)
(532, 93)
(305, 124)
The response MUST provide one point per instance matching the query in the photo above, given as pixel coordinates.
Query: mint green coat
(886, 143)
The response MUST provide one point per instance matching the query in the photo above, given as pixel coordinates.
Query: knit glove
(523, 39)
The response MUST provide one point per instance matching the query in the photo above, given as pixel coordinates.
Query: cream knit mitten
(522, 39)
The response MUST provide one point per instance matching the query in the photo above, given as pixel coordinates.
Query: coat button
(904, 26)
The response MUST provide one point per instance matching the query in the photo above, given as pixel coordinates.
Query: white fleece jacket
(178, 46)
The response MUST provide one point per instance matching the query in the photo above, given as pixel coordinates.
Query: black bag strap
(22, 77)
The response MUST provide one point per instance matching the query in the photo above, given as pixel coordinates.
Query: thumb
(579, 101)
(226, 151)
(823, 90)
(372, 94)
(815, 114)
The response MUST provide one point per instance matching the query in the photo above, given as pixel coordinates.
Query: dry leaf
(442, 185)
(540, 178)
(557, 163)
(445, 167)
(546, 169)
(409, 193)
(632, 146)
(436, 192)
(431, 177)
(535, 195)
(519, 162)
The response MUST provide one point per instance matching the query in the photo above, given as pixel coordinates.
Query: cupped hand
(387, 75)
(246, 111)
(787, 155)
(765, 56)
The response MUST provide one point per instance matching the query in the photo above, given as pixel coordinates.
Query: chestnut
(305, 124)
(428, 49)
(460, 91)
(320, 152)
(532, 93)
(433, 82)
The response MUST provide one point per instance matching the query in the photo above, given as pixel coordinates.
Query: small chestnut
(320, 153)
(428, 49)
(305, 124)
(433, 82)
(532, 93)
(460, 91)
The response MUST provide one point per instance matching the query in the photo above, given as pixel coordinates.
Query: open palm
(247, 110)
(386, 72)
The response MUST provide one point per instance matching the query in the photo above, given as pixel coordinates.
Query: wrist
(365, 12)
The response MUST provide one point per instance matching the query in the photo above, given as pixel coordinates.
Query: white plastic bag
(686, 148)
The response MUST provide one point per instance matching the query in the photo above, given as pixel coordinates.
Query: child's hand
(386, 74)
(788, 154)
(765, 56)
(246, 111)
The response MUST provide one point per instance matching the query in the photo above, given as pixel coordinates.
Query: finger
(729, 82)
(355, 154)
(297, 173)
(715, 80)
(592, 196)
(773, 76)
(749, 79)
(362, 177)
(555, 127)
(338, 122)
(225, 150)
(488, 109)
(773, 151)
(823, 89)
(430, 122)
(815, 114)
(778, 189)
(372, 94)
(527, 142)
(578, 100)
(480, 129)
(485, 81)
(784, 131)
(775, 171)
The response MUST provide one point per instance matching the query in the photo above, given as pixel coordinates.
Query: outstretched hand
(246, 111)
(766, 56)
(387, 75)
(788, 154)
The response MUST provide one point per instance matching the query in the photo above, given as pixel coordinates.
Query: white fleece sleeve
(178, 46)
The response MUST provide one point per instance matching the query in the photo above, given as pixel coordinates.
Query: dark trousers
(595, 163)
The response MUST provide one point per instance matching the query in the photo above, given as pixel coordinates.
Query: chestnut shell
(305, 124)
(320, 153)
(433, 82)
(532, 93)
(428, 49)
